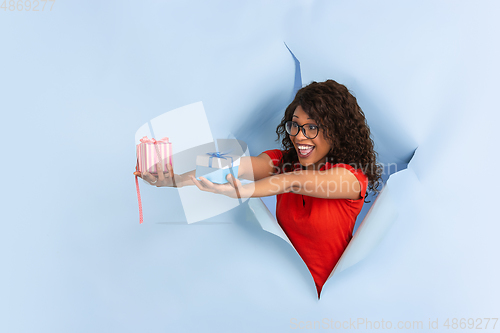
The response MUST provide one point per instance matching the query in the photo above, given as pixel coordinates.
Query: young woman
(320, 176)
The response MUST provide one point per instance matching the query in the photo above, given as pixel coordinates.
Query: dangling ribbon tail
(139, 198)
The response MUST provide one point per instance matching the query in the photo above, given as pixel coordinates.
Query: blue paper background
(76, 83)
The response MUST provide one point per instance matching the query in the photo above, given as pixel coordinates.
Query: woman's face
(311, 152)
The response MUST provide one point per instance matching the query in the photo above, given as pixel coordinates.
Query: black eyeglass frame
(301, 127)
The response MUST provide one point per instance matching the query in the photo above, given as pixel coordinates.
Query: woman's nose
(300, 135)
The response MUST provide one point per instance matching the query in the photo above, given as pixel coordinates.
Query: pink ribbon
(139, 199)
(146, 140)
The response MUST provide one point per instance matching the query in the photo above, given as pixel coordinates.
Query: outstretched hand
(232, 189)
(164, 178)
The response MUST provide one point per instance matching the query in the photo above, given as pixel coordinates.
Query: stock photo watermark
(365, 324)
(27, 5)
(319, 184)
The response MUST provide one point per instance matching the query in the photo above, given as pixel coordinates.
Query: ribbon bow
(219, 155)
(146, 140)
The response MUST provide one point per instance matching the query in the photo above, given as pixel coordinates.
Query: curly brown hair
(338, 114)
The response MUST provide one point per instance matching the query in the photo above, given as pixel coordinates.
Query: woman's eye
(313, 127)
(295, 125)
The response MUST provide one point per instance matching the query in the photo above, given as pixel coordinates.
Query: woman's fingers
(197, 183)
(206, 183)
(171, 174)
(203, 184)
(146, 176)
(165, 177)
(161, 176)
(149, 178)
(225, 189)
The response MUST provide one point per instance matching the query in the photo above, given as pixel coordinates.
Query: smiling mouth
(304, 150)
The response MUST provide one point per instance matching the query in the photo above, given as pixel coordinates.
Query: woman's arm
(255, 167)
(184, 179)
(334, 183)
(251, 168)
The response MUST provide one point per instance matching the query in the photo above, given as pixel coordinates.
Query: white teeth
(305, 150)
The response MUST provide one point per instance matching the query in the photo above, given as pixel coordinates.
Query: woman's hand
(232, 189)
(164, 178)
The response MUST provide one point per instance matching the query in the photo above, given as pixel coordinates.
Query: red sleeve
(363, 180)
(275, 155)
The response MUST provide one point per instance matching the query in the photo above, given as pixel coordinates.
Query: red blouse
(318, 228)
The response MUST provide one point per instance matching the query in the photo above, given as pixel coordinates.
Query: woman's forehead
(300, 114)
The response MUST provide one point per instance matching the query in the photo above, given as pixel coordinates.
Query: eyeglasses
(310, 131)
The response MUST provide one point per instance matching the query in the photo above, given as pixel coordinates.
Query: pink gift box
(150, 152)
